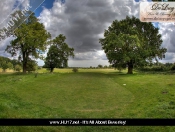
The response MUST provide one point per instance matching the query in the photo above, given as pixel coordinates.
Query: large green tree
(30, 37)
(58, 54)
(129, 43)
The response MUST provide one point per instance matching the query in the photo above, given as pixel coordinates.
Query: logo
(157, 11)
(18, 15)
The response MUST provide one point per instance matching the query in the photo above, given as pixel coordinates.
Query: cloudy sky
(83, 22)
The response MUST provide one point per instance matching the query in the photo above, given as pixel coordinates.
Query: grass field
(90, 93)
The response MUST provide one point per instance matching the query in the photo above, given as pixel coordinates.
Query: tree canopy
(130, 42)
(29, 37)
(59, 51)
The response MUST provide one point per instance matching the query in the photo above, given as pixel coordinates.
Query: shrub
(75, 69)
(10, 65)
(158, 68)
(173, 68)
(31, 66)
(18, 68)
(39, 67)
(4, 66)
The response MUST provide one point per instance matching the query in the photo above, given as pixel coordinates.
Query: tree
(75, 69)
(129, 43)
(10, 65)
(31, 65)
(4, 65)
(59, 51)
(100, 66)
(105, 66)
(30, 37)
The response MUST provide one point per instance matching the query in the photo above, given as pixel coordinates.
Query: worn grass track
(77, 95)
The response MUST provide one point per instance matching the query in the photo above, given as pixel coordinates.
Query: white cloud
(168, 30)
(3, 45)
(6, 7)
(84, 22)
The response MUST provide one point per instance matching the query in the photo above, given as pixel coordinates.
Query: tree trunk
(24, 67)
(51, 69)
(130, 67)
(24, 62)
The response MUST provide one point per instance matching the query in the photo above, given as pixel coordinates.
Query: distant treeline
(16, 65)
(149, 67)
(6, 63)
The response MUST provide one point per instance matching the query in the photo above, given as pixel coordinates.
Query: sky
(83, 22)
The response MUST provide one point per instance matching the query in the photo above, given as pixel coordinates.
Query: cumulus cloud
(96, 55)
(6, 7)
(3, 46)
(167, 30)
(83, 22)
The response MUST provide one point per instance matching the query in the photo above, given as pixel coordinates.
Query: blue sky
(47, 4)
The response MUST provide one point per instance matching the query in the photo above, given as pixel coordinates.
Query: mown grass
(90, 93)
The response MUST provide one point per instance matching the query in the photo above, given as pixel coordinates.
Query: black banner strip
(87, 122)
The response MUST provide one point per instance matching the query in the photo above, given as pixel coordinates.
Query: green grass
(90, 93)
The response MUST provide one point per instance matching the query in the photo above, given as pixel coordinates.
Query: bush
(10, 65)
(75, 69)
(158, 68)
(18, 68)
(39, 67)
(31, 66)
(173, 68)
